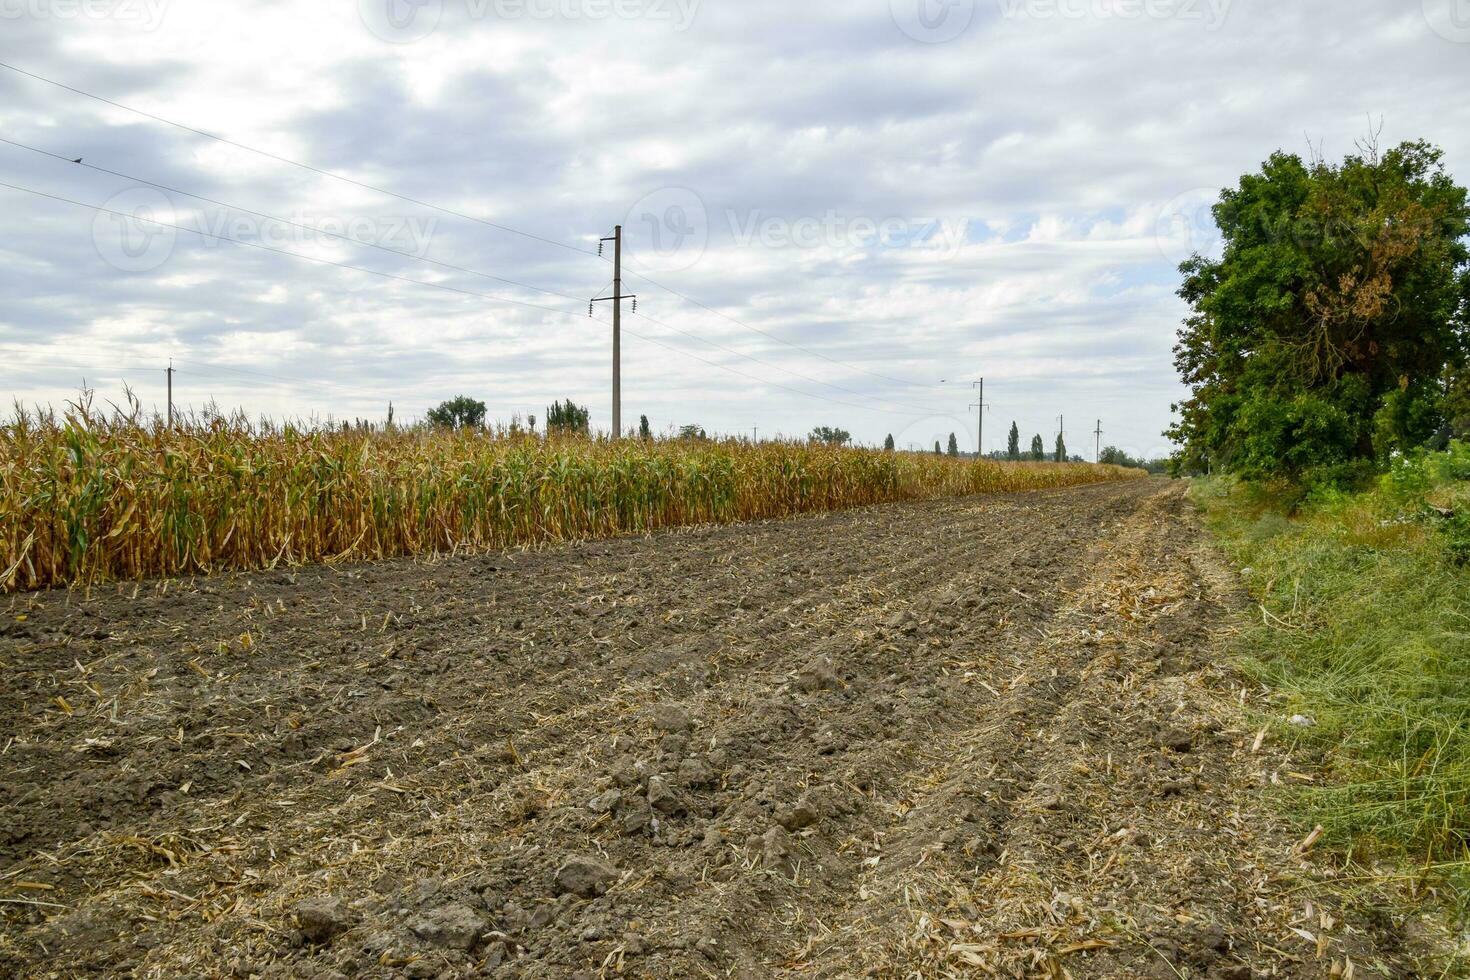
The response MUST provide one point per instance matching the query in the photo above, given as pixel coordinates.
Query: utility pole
(617, 337)
(980, 408)
(1061, 433)
(1097, 448)
(755, 433)
(170, 374)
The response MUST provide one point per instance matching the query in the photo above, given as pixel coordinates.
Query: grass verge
(1364, 631)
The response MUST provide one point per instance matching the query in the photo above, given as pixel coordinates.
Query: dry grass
(92, 496)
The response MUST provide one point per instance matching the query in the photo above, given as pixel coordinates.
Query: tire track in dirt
(1121, 831)
(775, 748)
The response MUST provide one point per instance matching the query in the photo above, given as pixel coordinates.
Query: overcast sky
(830, 206)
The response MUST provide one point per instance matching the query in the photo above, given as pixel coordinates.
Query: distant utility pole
(755, 433)
(170, 375)
(617, 337)
(1097, 448)
(980, 408)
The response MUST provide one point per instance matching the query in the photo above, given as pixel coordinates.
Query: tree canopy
(1013, 444)
(830, 436)
(462, 412)
(568, 418)
(1332, 331)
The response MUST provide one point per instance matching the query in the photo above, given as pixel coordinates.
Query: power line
(204, 367)
(285, 251)
(435, 285)
(450, 211)
(772, 384)
(771, 336)
(796, 374)
(287, 221)
(295, 163)
(448, 265)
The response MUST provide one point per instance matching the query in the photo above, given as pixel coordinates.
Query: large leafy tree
(888, 443)
(954, 445)
(831, 436)
(1013, 444)
(1038, 448)
(462, 412)
(1332, 328)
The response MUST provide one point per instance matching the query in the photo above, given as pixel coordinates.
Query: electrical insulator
(635, 304)
(589, 310)
(599, 250)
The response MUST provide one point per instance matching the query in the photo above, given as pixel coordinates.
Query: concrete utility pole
(617, 324)
(980, 408)
(170, 375)
(1097, 448)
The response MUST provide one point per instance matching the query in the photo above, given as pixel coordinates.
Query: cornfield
(90, 496)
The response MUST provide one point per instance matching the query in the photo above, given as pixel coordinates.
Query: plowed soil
(984, 737)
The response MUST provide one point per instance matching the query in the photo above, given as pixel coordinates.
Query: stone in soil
(585, 876)
(775, 850)
(450, 927)
(670, 718)
(801, 814)
(605, 802)
(322, 919)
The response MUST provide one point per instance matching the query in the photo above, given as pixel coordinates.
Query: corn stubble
(91, 496)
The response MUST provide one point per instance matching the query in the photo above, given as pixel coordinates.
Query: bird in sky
(77, 160)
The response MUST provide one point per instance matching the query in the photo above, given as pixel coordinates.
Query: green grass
(1365, 630)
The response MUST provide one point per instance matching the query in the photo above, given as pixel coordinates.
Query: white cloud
(1055, 144)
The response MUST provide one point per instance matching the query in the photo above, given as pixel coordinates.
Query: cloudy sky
(830, 207)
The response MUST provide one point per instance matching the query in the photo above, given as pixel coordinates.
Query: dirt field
(960, 738)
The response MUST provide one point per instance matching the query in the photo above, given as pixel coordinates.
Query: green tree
(1326, 335)
(937, 451)
(830, 436)
(954, 445)
(888, 443)
(1013, 444)
(1038, 449)
(1060, 454)
(568, 418)
(692, 431)
(645, 432)
(462, 412)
